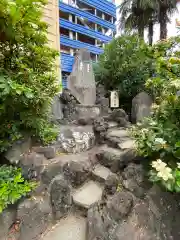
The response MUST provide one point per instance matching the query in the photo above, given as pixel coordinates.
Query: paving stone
(115, 159)
(112, 124)
(49, 151)
(129, 144)
(101, 173)
(88, 194)
(116, 132)
(69, 228)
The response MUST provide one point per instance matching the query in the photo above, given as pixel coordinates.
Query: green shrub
(158, 137)
(27, 76)
(12, 186)
(125, 65)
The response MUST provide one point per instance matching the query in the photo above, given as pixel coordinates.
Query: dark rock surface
(32, 164)
(35, 216)
(48, 151)
(134, 179)
(111, 184)
(100, 127)
(60, 197)
(76, 172)
(13, 155)
(120, 116)
(120, 205)
(7, 218)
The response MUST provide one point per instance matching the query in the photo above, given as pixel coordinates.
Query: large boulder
(35, 216)
(134, 179)
(119, 116)
(76, 139)
(100, 225)
(20, 147)
(32, 164)
(120, 205)
(76, 172)
(7, 219)
(86, 114)
(60, 197)
(141, 107)
(100, 127)
(154, 218)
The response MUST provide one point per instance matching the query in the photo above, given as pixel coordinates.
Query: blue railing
(78, 44)
(84, 30)
(90, 17)
(66, 62)
(102, 5)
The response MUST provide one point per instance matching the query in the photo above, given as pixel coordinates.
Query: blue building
(84, 24)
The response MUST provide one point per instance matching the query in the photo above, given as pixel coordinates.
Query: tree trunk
(141, 32)
(163, 23)
(150, 33)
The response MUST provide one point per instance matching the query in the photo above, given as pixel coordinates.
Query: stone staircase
(87, 173)
(70, 184)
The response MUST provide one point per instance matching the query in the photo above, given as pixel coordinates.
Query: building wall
(86, 24)
(51, 16)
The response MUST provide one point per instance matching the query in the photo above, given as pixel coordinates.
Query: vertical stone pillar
(51, 17)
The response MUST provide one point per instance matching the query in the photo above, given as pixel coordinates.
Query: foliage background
(125, 65)
(27, 76)
(158, 137)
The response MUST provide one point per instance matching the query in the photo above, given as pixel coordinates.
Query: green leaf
(29, 95)
(177, 144)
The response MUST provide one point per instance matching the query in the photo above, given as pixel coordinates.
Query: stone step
(112, 124)
(88, 194)
(114, 158)
(116, 137)
(118, 132)
(101, 173)
(70, 228)
(127, 144)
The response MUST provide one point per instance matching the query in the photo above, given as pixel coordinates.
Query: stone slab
(101, 173)
(129, 144)
(76, 139)
(112, 124)
(69, 228)
(88, 194)
(120, 133)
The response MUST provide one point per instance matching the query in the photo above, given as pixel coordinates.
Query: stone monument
(81, 81)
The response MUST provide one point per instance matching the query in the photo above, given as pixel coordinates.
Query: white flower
(163, 170)
(160, 141)
(165, 173)
(178, 165)
(158, 164)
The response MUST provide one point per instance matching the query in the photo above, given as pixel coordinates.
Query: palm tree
(138, 14)
(134, 15)
(166, 8)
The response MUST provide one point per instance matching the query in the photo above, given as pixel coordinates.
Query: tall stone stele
(81, 81)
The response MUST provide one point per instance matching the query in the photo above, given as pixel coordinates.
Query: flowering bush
(168, 177)
(158, 137)
(28, 79)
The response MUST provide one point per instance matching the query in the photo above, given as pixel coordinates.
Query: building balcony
(104, 6)
(66, 41)
(85, 30)
(86, 16)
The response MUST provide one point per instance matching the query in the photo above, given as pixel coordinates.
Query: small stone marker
(114, 99)
(141, 107)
